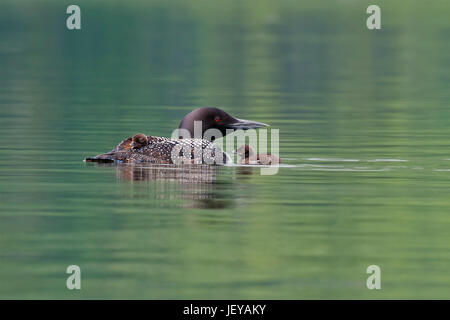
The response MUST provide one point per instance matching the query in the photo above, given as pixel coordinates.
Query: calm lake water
(364, 120)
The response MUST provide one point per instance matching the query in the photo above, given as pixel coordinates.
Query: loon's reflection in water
(188, 186)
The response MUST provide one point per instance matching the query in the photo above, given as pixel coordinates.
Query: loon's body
(161, 150)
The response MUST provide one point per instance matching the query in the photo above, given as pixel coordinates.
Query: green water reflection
(363, 118)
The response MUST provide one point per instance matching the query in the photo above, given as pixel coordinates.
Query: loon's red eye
(217, 119)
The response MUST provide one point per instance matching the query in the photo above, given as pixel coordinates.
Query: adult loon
(246, 155)
(196, 150)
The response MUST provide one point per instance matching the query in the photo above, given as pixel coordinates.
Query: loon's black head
(214, 118)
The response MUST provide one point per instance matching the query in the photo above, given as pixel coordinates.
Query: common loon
(161, 150)
(247, 156)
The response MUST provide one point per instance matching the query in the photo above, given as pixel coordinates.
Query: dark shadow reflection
(188, 186)
(244, 173)
(188, 175)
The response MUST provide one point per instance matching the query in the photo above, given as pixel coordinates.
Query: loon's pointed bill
(245, 124)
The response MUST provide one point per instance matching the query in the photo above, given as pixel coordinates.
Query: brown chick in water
(247, 156)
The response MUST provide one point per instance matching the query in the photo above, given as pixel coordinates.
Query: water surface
(363, 119)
